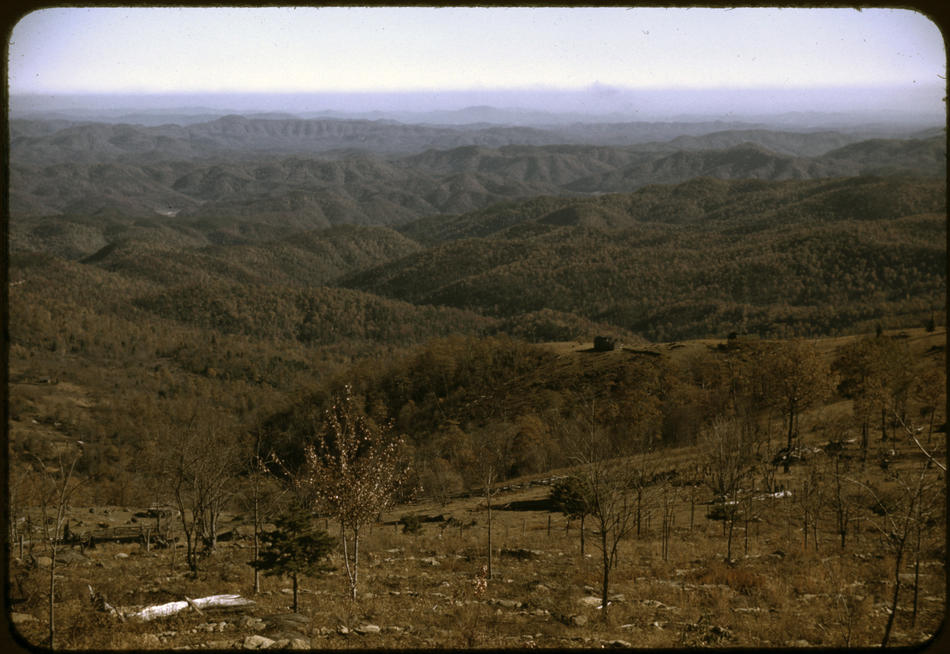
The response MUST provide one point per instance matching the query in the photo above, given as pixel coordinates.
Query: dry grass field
(782, 588)
(420, 590)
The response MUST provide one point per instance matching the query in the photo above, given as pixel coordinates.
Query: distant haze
(629, 64)
(827, 106)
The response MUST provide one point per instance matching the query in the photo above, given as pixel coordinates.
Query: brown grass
(776, 594)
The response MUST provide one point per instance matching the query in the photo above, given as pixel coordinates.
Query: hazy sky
(102, 49)
(620, 58)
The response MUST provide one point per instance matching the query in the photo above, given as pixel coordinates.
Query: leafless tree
(353, 471)
(729, 465)
(809, 499)
(607, 481)
(56, 486)
(262, 494)
(902, 517)
(198, 464)
(798, 377)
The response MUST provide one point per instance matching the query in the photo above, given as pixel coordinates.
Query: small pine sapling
(295, 548)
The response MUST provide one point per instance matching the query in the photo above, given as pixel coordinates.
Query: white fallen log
(210, 602)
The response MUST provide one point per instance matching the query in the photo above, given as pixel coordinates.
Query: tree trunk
(930, 428)
(489, 538)
(913, 619)
(606, 566)
(257, 543)
(356, 560)
(348, 563)
(294, 577)
(52, 595)
(732, 522)
(639, 496)
(582, 535)
(692, 506)
(865, 429)
(897, 589)
(746, 534)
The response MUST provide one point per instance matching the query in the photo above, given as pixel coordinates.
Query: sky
(603, 51)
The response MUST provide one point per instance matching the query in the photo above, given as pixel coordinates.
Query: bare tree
(262, 495)
(607, 483)
(353, 471)
(799, 378)
(809, 499)
(902, 515)
(728, 467)
(56, 487)
(198, 464)
(494, 448)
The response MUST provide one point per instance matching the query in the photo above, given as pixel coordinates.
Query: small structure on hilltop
(605, 343)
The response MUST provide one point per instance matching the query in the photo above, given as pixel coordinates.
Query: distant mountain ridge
(704, 256)
(244, 168)
(52, 141)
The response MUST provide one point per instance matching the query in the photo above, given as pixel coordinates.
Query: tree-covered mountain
(703, 257)
(60, 173)
(61, 140)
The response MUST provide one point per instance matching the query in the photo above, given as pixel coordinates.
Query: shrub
(411, 523)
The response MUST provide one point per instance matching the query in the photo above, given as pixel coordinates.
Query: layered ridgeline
(705, 257)
(700, 258)
(267, 228)
(299, 174)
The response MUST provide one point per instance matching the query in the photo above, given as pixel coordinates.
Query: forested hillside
(704, 257)
(312, 174)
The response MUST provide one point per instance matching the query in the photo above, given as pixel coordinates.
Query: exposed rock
(578, 620)
(220, 644)
(72, 556)
(343, 630)
(250, 622)
(257, 642)
(430, 561)
(617, 643)
(43, 561)
(21, 618)
(288, 635)
(298, 643)
(590, 600)
(367, 629)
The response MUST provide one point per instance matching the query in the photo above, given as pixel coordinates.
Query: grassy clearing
(420, 589)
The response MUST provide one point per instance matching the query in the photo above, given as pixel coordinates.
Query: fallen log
(220, 602)
(210, 602)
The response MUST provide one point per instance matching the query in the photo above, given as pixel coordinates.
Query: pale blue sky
(149, 50)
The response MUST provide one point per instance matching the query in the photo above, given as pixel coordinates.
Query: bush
(411, 524)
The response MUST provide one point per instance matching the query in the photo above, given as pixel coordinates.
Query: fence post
(549, 525)
(148, 540)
